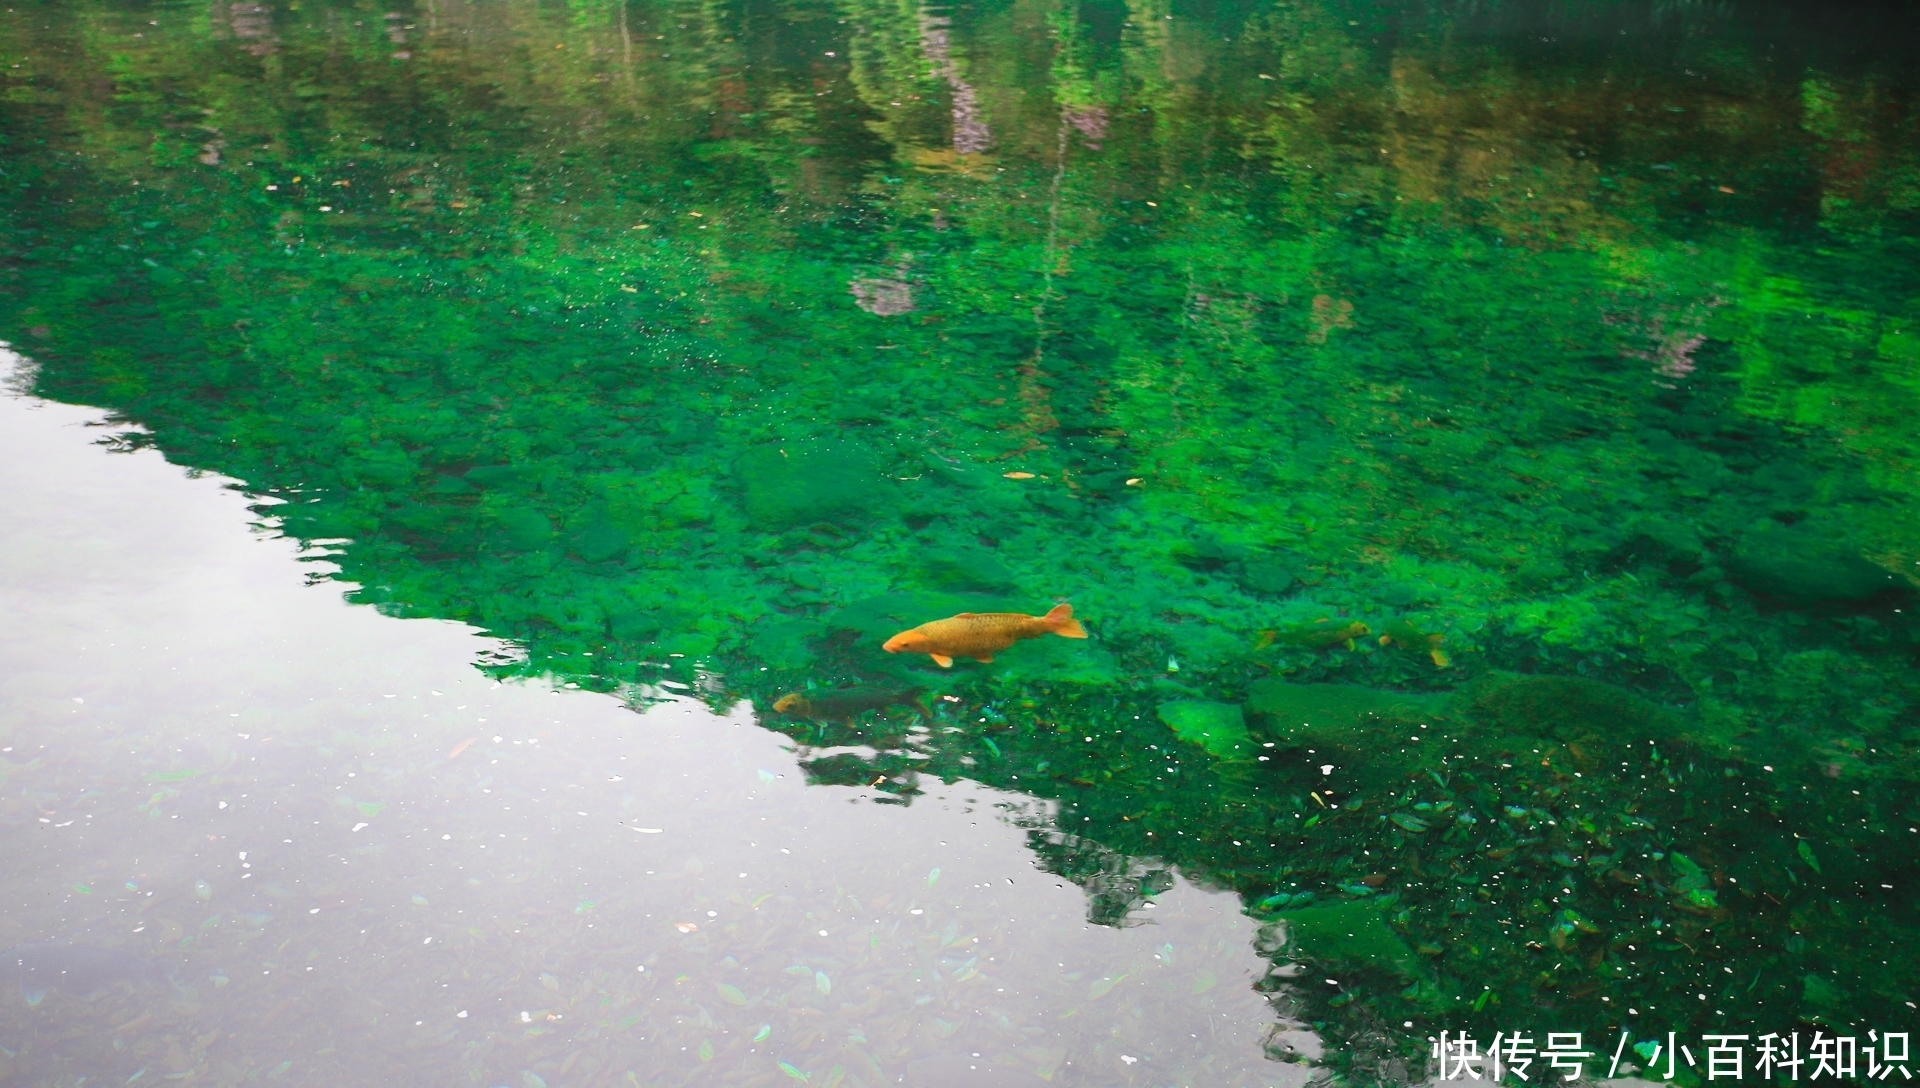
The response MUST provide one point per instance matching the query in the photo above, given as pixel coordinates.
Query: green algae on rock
(1566, 709)
(1220, 728)
(1798, 566)
(1342, 714)
(1352, 934)
(808, 483)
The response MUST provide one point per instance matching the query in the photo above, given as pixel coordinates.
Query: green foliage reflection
(715, 344)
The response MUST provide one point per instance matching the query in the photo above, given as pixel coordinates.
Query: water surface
(1478, 438)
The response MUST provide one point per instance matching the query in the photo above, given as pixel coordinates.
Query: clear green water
(1480, 438)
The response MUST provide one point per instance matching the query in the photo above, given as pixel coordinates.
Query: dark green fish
(845, 704)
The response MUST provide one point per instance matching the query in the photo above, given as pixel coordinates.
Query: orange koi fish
(980, 635)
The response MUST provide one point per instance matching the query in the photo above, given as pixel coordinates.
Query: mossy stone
(522, 529)
(800, 485)
(1204, 646)
(786, 642)
(1207, 554)
(1054, 660)
(1343, 714)
(1269, 577)
(1348, 934)
(1564, 708)
(963, 568)
(489, 477)
(1220, 728)
(1803, 567)
(599, 540)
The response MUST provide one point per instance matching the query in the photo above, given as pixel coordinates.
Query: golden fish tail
(1060, 621)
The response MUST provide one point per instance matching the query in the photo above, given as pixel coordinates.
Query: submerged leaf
(1805, 850)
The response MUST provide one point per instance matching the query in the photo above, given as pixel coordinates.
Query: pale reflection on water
(356, 859)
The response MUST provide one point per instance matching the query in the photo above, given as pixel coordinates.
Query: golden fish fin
(1059, 619)
(965, 615)
(984, 660)
(942, 660)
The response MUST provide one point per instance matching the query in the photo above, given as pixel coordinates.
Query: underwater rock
(521, 529)
(489, 477)
(1344, 714)
(965, 569)
(867, 409)
(1206, 554)
(1539, 575)
(1058, 661)
(1267, 576)
(1801, 567)
(1220, 728)
(1673, 545)
(1563, 708)
(784, 642)
(1106, 484)
(801, 485)
(1404, 594)
(634, 626)
(1347, 934)
(597, 540)
(1203, 647)
(882, 297)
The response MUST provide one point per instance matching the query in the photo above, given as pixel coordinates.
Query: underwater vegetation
(1484, 464)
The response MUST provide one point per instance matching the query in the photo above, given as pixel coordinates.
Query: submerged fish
(76, 969)
(839, 706)
(1321, 634)
(1408, 637)
(980, 635)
